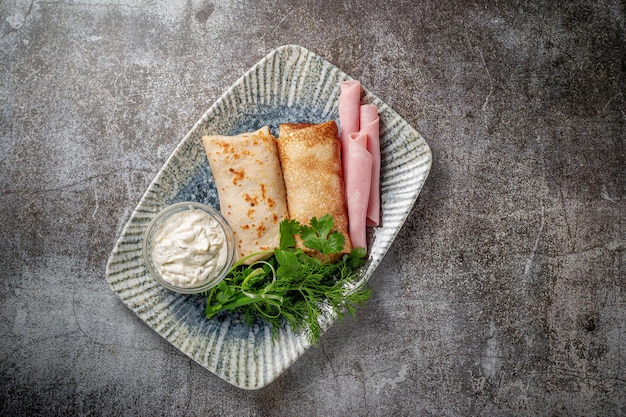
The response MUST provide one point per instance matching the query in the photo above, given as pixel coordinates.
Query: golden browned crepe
(310, 157)
(250, 188)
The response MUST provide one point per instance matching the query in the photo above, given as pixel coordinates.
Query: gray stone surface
(505, 292)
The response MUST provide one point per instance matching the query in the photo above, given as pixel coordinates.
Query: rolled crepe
(311, 162)
(250, 187)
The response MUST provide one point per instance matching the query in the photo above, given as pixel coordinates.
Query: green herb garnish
(292, 286)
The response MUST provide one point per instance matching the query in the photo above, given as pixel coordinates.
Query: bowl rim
(163, 215)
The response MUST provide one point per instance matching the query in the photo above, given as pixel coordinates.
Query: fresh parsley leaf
(288, 228)
(323, 226)
(319, 237)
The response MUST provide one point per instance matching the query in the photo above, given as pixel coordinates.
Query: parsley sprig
(292, 286)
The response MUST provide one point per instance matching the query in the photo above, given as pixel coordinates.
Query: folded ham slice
(369, 125)
(361, 160)
(349, 105)
(358, 164)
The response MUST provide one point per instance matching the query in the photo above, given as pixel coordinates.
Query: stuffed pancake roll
(250, 187)
(310, 157)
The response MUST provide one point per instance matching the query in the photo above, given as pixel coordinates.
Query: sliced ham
(369, 125)
(349, 110)
(357, 177)
(360, 148)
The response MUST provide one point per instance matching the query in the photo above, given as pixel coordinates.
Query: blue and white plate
(289, 85)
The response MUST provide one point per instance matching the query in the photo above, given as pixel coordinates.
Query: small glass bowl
(162, 217)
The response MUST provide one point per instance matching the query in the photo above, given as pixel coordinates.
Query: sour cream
(189, 248)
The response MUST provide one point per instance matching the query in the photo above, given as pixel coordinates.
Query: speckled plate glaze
(291, 84)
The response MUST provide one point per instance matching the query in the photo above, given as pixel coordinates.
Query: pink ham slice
(360, 149)
(349, 109)
(369, 124)
(357, 177)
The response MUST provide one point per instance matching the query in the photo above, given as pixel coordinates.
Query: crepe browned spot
(310, 158)
(250, 187)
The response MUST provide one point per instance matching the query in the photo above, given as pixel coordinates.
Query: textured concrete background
(505, 292)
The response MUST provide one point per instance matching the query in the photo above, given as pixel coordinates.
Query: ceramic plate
(291, 84)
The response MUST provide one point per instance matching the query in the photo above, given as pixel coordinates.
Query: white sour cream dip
(189, 248)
